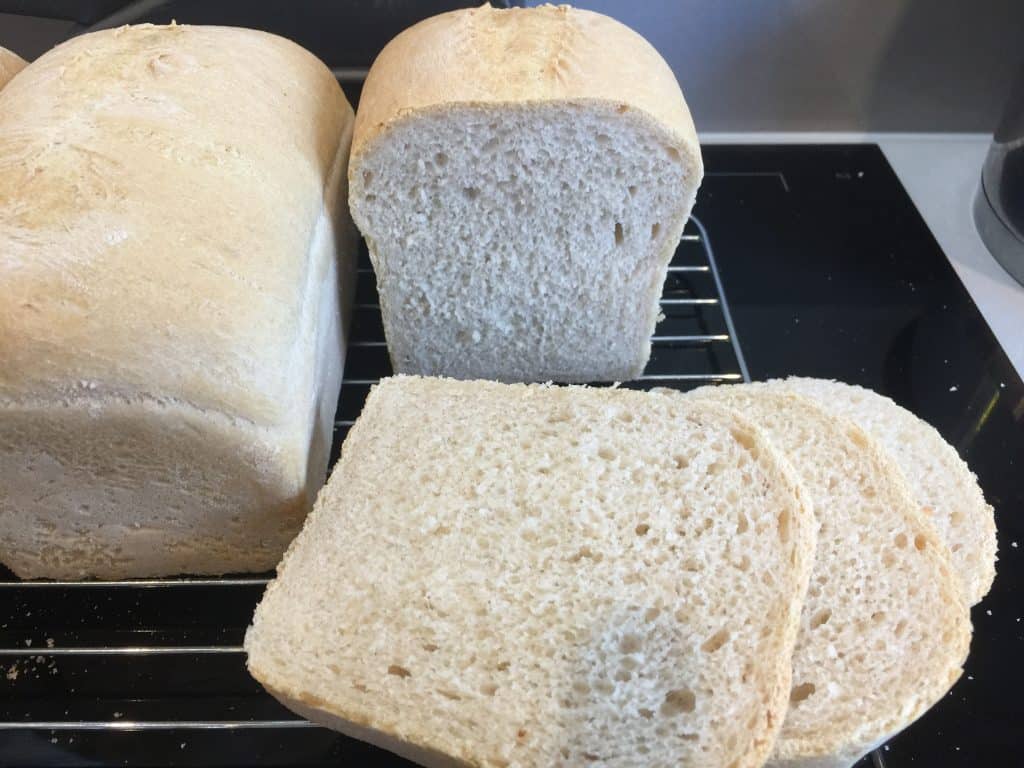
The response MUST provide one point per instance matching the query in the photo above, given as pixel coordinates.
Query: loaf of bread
(10, 65)
(522, 178)
(884, 631)
(513, 575)
(172, 238)
(943, 485)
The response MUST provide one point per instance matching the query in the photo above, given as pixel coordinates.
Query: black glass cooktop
(828, 271)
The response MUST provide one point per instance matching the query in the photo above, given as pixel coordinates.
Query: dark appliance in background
(999, 203)
(805, 260)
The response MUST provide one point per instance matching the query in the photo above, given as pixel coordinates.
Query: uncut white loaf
(511, 575)
(522, 178)
(10, 65)
(945, 488)
(884, 630)
(172, 236)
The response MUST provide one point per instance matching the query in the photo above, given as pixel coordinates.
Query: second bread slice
(884, 630)
(537, 576)
(941, 482)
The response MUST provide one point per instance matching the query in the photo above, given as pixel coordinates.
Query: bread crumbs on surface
(12, 671)
(1013, 544)
(28, 642)
(49, 642)
(988, 612)
(954, 388)
(182, 745)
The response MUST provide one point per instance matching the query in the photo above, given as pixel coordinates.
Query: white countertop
(941, 173)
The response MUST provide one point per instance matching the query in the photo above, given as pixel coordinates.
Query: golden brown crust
(155, 243)
(10, 65)
(521, 56)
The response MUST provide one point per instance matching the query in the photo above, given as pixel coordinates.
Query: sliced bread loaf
(519, 575)
(522, 178)
(945, 488)
(884, 630)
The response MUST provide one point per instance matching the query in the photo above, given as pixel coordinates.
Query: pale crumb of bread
(884, 630)
(519, 575)
(943, 485)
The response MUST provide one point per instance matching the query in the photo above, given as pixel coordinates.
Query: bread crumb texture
(512, 575)
(884, 629)
(944, 487)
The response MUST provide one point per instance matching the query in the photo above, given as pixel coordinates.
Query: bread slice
(10, 65)
(176, 259)
(512, 575)
(944, 486)
(522, 178)
(884, 630)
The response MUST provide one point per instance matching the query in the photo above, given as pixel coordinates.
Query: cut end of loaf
(523, 242)
(436, 600)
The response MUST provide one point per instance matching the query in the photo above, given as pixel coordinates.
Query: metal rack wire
(164, 656)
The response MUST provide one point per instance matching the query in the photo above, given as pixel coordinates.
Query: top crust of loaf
(521, 56)
(10, 65)
(160, 188)
(940, 480)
